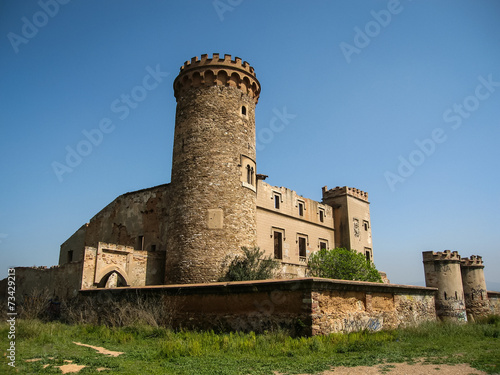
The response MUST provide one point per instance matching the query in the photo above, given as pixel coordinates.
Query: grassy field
(149, 350)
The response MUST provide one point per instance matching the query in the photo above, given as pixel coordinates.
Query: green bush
(342, 264)
(251, 265)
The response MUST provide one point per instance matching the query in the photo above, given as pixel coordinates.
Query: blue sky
(399, 99)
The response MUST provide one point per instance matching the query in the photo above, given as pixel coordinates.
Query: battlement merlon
(217, 71)
(447, 255)
(344, 190)
(472, 261)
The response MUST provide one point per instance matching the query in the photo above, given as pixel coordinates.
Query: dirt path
(406, 369)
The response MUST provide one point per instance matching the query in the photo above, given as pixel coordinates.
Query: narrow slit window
(321, 215)
(249, 174)
(70, 256)
(140, 243)
(244, 110)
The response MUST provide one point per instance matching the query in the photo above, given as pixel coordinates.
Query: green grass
(150, 350)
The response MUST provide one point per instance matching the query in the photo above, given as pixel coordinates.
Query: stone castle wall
(308, 306)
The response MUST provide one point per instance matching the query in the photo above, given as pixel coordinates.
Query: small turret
(442, 271)
(474, 284)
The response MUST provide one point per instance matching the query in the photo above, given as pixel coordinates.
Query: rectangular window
(321, 215)
(366, 225)
(302, 247)
(301, 209)
(277, 199)
(368, 254)
(323, 245)
(278, 245)
(140, 243)
(70, 256)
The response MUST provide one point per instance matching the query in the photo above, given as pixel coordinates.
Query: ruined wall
(287, 220)
(136, 219)
(72, 248)
(494, 302)
(309, 306)
(132, 267)
(348, 306)
(61, 281)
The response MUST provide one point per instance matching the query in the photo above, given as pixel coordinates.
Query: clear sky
(399, 99)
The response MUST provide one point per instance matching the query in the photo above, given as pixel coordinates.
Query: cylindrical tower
(442, 271)
(474, 284)
(212, 211)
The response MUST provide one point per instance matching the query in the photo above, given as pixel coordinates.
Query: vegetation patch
(157, 350)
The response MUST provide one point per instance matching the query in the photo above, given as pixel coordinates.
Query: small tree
(342, 264)
(250, 266)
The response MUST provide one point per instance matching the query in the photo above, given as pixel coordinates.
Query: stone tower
(474, 284)
(351, 213)
(212, 211)
(442, 271)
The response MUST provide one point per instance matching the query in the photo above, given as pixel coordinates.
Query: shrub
(342, 264)
(251, 265)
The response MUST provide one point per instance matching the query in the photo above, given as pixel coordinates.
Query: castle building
(185, 232)
(216, 202)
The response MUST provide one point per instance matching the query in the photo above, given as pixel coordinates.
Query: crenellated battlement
(217, 71)
(344, 190)
(445, 255)
(473, 260)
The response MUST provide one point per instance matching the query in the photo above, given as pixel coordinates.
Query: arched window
(250, 172)
(244, 110)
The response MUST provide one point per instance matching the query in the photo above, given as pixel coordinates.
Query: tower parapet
(344, 190)
(437, 256)
(217, 71)
(442, 271)
(474, 284)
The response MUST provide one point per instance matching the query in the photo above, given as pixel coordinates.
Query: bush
(342, 264)
(251, 265)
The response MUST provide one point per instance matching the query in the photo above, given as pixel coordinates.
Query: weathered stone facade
(474, 284)
(442, 271)
(213, 198)
(310, 306)
(462, 293)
